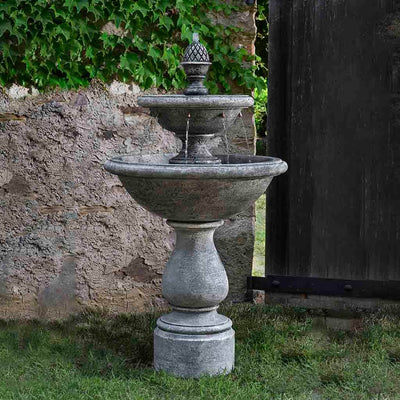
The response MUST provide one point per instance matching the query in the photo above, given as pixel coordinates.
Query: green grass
(259, 244)
(281, 354)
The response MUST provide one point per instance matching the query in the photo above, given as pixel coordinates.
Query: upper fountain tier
(195, 117)
(207, 114)
(207, 188)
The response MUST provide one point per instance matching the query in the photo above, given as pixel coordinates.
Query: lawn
(281, 354)
(259, 244)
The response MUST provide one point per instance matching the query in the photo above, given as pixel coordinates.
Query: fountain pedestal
(194, 340)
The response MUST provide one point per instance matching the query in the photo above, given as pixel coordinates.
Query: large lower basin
(195, 193)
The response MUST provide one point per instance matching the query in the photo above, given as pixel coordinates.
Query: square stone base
(194, 355)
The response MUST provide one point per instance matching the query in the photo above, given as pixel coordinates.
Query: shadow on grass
(93, 342)
(127, 335)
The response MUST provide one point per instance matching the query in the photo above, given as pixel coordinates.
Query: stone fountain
(195, 191)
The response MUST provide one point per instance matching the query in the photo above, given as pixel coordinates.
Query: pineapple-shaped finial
(196, 63)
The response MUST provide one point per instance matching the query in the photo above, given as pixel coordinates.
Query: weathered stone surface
(194, 355)
(244, 18)
(195, 193)
(18, 92)
(70, 235)
(194, 340)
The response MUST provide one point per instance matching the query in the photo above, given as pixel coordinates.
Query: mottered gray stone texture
(70, 235)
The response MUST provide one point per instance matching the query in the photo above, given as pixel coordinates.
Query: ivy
(53, 43)
(261, 93)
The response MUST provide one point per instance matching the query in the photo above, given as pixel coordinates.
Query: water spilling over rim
(157, 166)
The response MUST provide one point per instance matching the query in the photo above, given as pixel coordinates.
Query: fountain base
(192, 343)
(194, 340)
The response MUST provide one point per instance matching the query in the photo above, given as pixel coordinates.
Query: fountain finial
(196, 63)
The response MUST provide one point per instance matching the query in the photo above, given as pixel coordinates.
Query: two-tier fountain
(195, 191)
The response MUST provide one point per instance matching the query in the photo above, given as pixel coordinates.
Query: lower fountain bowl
(196, 193)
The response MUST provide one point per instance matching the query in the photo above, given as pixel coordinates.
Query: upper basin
(209, 114)
(195, 193)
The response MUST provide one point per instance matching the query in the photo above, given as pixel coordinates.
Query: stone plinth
(194, 340)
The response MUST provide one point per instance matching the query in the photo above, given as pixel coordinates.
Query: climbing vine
(261, 93)
(54, 43)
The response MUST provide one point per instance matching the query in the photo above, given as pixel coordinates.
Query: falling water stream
(226, 137)
(186, 144)
(187, 136)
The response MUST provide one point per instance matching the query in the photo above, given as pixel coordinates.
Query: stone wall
(70, 235)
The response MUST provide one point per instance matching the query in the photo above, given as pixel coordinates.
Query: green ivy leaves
(63, 43)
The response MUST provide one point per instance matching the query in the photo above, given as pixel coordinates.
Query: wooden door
(334, 116)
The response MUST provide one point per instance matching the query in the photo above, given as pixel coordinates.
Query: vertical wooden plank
(334, 116)
(278, 143)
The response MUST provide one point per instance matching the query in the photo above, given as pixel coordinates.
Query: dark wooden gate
(334, 116)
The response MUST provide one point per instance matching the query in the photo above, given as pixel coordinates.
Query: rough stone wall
(70, 235)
